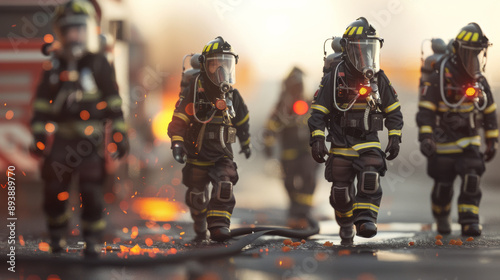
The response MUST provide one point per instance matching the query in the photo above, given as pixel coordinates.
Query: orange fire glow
(157, 209)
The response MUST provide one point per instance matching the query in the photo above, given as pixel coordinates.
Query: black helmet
(218, 62)
(470, 46)
(361, 44)
(75, 26)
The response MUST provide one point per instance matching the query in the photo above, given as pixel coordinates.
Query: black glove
(122, 144)
(179, 151)
(245, 149)
(491, 148)
(319, 150)
(428, 147)
(393, 147)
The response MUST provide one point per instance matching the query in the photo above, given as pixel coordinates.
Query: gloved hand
(122, 144)
(491, 148)
(428, 147)
(393, 147)
(319, 150)
(245, 149)
(179, 151)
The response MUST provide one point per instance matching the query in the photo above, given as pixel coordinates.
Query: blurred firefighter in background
(455, 102)
(208, 117)
(76, 98)
(288, 123)
(352, 102)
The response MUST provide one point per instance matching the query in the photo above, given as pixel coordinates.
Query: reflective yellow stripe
(318, 133)
(177, 138)
(348, 152)
(347, 30)
(468, 208)
(38, 127)
(343, 214)
(289, 154)
(94, 226)
(360, 30)
(458, 146)
(394, 132)
(426, 129)
(461, 34)
(119, 125)
(368, 206)
(42, 105)
(208, 48)
(490, 109)
(217, 213)
(352, 30)
(216, 46)
(320, 108)
(246, 142)
(200, 163)
(59, 220)
(467, 37)
(475, 37)
(245, 119)
(440, 209)
(466, 141)
(182, 117)
(463, 108)
(303, 198)
(427, 104)
(366, 146)
(356, 106)
(392, 107)
(492, 133)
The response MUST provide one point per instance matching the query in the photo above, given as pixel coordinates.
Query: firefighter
(288, 123)
(76, 97)
(455, 102)
(351, 103)
(207, 119)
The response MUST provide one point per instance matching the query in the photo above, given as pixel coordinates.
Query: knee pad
(369, 182)
(340, 195)
(197, 200)
(471, 184)
(224, 191)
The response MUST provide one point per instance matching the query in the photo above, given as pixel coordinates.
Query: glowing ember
(172, 251)
(321, 256)
(53, 277)
(43, 246)
(439, 236)
(284, 262)
(149, 242)
(62, 196)
(164, 238)
(411, 243)
(328, 244)
(286, 249)
(439, 242)
(344, 252)
(470, 239)
(136, 250)
(21, 240)
(287, 242)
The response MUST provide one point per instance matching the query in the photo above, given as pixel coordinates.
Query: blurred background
(151, 38)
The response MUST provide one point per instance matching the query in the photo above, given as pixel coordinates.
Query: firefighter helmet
(218, 62)
(470, 46)
(75, 26)
(362, 45)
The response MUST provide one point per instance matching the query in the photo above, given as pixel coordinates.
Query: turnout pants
(360, 203)
(219, 207)
(444, 168)
(68, 158)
